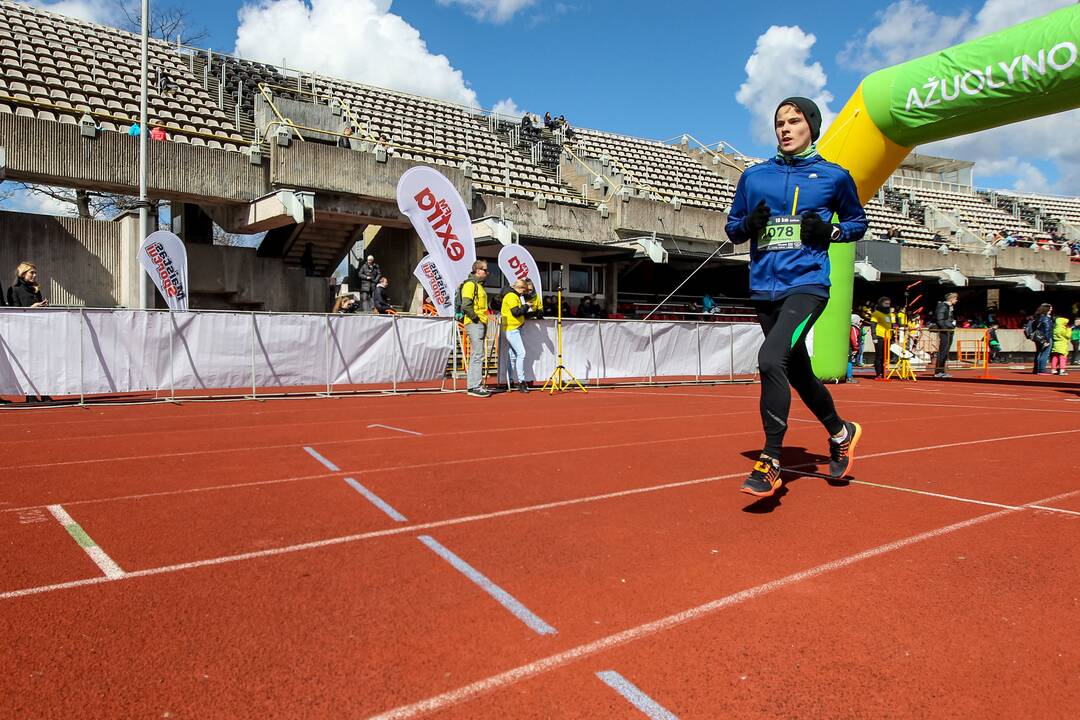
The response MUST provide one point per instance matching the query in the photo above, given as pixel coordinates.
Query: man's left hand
(815, 231)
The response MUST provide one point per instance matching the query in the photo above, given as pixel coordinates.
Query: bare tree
(169, 23)
(84, 203)
(222, 237)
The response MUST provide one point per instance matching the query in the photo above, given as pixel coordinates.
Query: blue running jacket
(824, 188)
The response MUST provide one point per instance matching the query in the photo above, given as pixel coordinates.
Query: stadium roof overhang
(930, 163)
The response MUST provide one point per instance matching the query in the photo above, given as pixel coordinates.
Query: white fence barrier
(84, 352)
(63, 351)
(595, 350)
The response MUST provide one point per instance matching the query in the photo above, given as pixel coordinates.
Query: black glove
(815, 231)
(757, 219)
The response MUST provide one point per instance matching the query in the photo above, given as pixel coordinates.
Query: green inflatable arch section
(1023, 72)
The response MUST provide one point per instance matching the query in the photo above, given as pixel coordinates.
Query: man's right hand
(758, 218)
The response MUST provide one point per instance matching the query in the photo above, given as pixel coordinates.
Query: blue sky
(647, 69)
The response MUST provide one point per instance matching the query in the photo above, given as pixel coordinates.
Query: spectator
(883, 319)
(381, 296)
(708, 304)
(345, 305)
(535, 302)
(995, 344)
(157, 133)
(854, 338)
(548, 122)
(1076, 341)
(134, 130)
(515, 309)
(945, 322)
(369, 275)
(164, 83)
(26, 292)
(1059, 356)
(1039, 329)
(345, 140)
(526, 123)
(474, 306)
(585, 307)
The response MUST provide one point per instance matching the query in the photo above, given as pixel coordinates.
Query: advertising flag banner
(516, 263)
(436, 210)
(435, 285)
(164, 258)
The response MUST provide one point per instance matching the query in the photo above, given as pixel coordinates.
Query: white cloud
(999, 152)
(779, 68)
(95, 11)
(508, 108)
(497, 11)
(908, 29)
(359, 40)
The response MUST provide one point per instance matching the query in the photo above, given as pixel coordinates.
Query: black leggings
(783, 359)
(879, 356)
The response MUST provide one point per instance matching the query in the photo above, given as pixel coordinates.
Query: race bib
(783, 232)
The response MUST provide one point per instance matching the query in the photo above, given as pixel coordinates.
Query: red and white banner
(516, 263)
(164, 258)
(438, 289)
(440, 217)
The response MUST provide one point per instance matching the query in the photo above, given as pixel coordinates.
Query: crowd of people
(1056, 338)
(1054, 241)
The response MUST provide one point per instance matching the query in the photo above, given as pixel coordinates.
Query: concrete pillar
(131, 272)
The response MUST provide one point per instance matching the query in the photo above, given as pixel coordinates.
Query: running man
(785, 208)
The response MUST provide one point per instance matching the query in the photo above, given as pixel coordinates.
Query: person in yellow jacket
(474, 308)
(883, 318)
(1059, 354)
(515, 309)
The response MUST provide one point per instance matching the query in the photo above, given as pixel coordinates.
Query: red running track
(257, 581)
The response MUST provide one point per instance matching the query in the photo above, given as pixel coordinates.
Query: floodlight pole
(144, 130)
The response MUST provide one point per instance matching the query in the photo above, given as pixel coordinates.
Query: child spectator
(1062, 344)
(1076, 341)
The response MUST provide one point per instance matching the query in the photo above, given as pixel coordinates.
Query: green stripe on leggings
(798, 330)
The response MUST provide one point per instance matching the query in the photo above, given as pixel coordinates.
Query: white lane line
(440, 463)
(934, 494)
(315, 454)
(1054, 509)
(522, 672)
(288, 549)
(376, 500)
(508, 601)
(633, 694)
(104, 562)
(388, 427)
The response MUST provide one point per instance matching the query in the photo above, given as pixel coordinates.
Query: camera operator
(945, 322)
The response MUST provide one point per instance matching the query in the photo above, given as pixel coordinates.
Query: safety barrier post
(596, 379)
(986, 354)
(82, 375)
(603, 355)
(697, 341)
(393, 320)
(652, 351)
(731, 350)
(172, 357)
(254, 330)
(329, 355)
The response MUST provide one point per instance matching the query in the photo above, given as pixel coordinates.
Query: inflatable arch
(1026, 71)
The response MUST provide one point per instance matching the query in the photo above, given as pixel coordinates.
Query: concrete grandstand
(254, 148)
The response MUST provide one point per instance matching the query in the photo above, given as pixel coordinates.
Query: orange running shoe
(764, 479)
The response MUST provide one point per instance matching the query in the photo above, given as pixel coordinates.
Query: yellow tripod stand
(561, 378)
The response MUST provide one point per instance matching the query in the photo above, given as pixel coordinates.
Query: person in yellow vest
(534, 301)
(883, 319)
(474, 308)
(515, 309)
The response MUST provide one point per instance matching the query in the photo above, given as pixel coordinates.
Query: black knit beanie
(810, 111)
